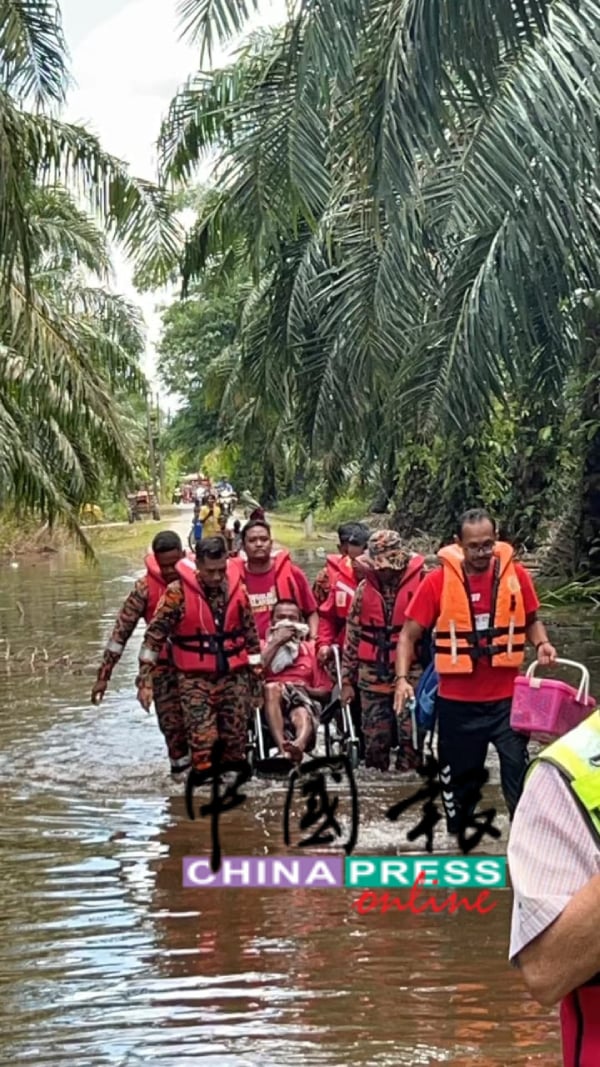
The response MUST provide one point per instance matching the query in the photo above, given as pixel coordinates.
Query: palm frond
(33, 50)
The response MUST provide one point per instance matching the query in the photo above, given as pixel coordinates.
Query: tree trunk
(268, 493)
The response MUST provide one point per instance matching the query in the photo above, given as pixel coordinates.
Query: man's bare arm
(567, 953)
(405, 652)
(276, 642)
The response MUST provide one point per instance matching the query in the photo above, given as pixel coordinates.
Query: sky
(127, 61)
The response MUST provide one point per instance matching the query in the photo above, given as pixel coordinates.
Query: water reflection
(107, 960)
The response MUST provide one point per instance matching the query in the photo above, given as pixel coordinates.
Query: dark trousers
(465, 732)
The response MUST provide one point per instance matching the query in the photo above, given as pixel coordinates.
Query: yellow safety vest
(577, 757)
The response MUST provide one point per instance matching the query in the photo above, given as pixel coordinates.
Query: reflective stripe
(147, 655)
(511, 633)
(255, 660)
(115, 646)
(179, 765)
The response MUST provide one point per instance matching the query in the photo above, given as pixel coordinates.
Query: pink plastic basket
(550, 707)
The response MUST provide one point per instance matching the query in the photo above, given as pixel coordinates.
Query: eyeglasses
(485, 549)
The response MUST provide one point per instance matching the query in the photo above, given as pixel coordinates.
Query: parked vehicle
(90, 513)
(140, 504)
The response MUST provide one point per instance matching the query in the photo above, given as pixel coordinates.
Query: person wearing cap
(554, 861)
(352, 538)
(335, 586)
(482, 606)
(391, 576)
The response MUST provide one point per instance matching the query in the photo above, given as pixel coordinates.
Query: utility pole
(161, 458)
(152, 456)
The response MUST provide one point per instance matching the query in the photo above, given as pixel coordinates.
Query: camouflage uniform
(164, 678)
(214, 705)
(321, 586)
(381, 727)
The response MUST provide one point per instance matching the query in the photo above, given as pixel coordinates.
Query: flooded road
(106, 960)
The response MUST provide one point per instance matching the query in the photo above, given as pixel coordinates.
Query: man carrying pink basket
(483, 607)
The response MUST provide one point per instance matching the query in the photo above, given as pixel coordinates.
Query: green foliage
(417, 213)
(64, 338)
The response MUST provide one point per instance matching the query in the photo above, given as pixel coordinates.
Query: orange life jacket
(457, 642)
(199, 645)
(342, 583)
(378, 637)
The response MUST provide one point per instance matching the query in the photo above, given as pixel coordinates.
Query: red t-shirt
(262, 592)
(302, 672)
(486, 682)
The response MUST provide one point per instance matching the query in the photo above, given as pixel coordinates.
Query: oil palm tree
(65, 342)
(445, 167)
(64, 339)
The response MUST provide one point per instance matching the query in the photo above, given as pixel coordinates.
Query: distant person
(196, 531)
(141, 603)
(210, 514)
(237, 537)
(224, 486)
(226, 533)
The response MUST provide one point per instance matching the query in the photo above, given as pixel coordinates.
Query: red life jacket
(199, 645)
(342, 584)
(378, 638)
(286, 587)
(156, 588)
(580, 1026)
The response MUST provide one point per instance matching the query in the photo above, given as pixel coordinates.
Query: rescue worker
(352, 538)
(554, 861)
(294, 685)
(376, 618)
(142, 602)
(271, 576)
(334, 590)
(206, 616)
(483, 607)
(335, 587)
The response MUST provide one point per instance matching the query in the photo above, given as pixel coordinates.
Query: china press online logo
(413, 875)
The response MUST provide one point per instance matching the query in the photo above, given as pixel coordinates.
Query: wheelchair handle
(338, 665)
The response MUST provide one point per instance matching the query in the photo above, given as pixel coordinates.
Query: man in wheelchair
(294, 683)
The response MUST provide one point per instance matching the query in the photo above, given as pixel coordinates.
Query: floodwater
(106, 960)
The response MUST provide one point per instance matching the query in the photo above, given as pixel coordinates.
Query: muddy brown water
(106, 960)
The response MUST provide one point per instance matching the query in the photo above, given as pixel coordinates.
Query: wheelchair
(341, 738)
